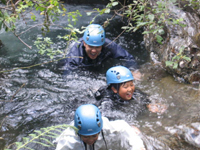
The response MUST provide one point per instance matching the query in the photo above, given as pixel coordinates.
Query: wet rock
(183, 42)
(190, 133)
(2, 143)
(195, 77)
(1, 44)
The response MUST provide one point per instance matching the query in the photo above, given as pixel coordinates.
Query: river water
(38, 96)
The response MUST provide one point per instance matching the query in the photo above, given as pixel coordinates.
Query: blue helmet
(88, 119)
(118, 74)
(94, 35)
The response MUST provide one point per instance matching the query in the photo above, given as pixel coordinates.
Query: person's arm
(73, 58)
(127, 135)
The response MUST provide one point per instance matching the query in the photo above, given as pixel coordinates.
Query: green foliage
(72, 16)
(45, 47)
(10, 13)
(140, 15)
(195, 4)
(3, 1)
(42, 137)
(177, 58)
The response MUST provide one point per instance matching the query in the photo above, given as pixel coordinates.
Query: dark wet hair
(117, 85)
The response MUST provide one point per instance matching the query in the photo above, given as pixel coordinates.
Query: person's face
(90, 139)
(126, 90)
(92, 51)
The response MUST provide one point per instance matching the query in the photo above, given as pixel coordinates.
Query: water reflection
(38, 97)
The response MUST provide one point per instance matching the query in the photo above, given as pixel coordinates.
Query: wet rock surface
(176, 38)
(189, 133)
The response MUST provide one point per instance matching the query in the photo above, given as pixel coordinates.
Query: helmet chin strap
(91, 147)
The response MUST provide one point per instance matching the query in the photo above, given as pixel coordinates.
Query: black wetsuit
(109, 103)
(77, 57)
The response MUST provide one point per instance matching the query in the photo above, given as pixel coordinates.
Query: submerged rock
(189, 133)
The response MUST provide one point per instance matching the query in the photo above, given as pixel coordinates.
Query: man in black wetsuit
(93, 49)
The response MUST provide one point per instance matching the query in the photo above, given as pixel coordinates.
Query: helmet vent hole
(117, 73)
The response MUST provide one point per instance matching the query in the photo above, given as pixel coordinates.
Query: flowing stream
(38, 96)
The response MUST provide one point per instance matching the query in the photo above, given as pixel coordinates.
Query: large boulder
(178, 42)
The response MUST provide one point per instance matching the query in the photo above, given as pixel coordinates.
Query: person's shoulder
(75, 48)
(108, 42)
(101, 92)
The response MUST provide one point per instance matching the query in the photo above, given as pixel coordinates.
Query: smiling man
(93, 49)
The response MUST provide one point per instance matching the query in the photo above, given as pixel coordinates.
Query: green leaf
(18, 144)
(114, 3)
(43, 144)
(46, 140)
(25, 139)
(142, 23)
(151, 17)
(169, 63)
(159, 39)
(33, 135)
(187, 58)
(33, 17)
(89, 13)
(175, 66)
(146, 32)
(107, 10)
(177, 57)
(161, 31)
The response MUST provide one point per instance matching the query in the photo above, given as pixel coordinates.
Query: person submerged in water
(93, 49)
(96, 132)
(120, 91)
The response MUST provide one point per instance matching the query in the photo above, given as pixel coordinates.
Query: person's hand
(157, 108)
(137, 74)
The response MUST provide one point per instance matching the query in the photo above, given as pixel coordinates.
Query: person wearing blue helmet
(96, 132)
(92, 50)
(120, 92)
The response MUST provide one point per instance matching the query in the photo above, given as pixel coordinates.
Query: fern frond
(46, 140)
(42, 137)
(38, 131)
(45, 145)
(25, 139)
(51, 136)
